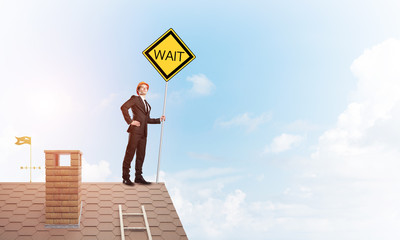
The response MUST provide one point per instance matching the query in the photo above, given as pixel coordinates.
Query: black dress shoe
(141, 181)
(128, 182)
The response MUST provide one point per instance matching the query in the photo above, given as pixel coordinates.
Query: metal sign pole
(30, 166)
(162, 128)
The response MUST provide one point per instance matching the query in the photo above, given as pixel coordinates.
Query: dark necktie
(146, 106)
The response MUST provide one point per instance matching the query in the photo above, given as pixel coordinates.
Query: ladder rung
(135, 228)
(121, 222)
(134, 214)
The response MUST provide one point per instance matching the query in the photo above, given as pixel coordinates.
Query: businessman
(137, 133)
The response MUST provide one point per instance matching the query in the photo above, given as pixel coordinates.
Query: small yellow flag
(23, 140)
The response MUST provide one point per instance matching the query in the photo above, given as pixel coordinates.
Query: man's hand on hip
(135, 123)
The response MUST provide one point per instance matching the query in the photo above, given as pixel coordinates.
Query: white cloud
(347, 189)
(203, 208)
(208, 211)
(95, 172)
(283, 143)
(245, 120)
(201, 85)
(376, 107)
(356, 164)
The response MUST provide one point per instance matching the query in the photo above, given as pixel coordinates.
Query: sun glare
(45, 103)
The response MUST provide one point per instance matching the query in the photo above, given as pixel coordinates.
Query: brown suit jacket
(135, 103)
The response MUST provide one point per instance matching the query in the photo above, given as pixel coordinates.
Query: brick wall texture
(63, 187)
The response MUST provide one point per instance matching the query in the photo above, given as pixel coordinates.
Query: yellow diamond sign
(169, 54)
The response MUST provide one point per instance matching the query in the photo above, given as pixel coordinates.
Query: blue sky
(283, 127)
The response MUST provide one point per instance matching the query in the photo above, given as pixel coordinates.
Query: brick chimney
(63, 189)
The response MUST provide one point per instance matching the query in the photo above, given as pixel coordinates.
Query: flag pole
(162, 128)
(30, 166)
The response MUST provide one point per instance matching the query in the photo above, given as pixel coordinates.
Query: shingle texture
(22, 212)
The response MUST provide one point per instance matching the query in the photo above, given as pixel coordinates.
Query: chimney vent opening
(65, 160)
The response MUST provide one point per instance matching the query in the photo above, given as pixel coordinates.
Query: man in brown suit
(137, 133)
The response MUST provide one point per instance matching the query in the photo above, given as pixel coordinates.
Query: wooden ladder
(121, 222)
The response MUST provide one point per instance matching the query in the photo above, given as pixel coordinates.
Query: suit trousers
(136, 143)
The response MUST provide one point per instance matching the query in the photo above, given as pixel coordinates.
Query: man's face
(143, 90)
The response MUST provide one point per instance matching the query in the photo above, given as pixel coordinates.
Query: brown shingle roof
(22, 212)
